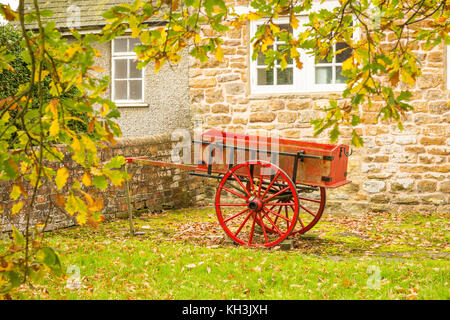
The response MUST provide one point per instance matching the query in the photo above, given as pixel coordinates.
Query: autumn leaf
(54, 128)
(86, 179)
(219, 53)
(61, 177)
(16, 207)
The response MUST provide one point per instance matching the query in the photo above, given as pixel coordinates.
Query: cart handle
(348, 154)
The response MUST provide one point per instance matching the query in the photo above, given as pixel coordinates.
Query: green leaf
(100, 182)
(115, 163)
(18, 237)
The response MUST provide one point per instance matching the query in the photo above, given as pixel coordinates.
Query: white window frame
(303, 79)
(127, 55)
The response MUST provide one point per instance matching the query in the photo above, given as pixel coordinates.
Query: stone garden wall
(395, 171)
(152, 188)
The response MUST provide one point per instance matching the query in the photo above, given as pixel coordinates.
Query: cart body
(308, 163)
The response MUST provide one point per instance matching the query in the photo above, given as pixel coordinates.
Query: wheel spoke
(279, 210)
(252, 230)
(236, 215)
(235, 193)
(307, 210)
(243, 223)
(309, 199)
(280, 204)
(250, 178)
(277, 214)
(271, 183)
(287, 216)
(239, 181)
(276, 194)
(274, 225)
(263, 228)
(233, 204)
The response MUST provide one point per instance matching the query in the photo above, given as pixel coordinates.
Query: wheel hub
(255, 204)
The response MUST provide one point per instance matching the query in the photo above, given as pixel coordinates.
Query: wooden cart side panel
(315, 172)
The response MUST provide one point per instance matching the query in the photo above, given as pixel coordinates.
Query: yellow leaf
(97, 68)
(294, 52)
(16, 207)
(96, 205)
(76, 146)
(294, 22)
(53, 107)
(274, 28)
(71, 205)
(347, 64)
(6, 266)
(81, 219)
(88, 144)
(407, 78)
(96, 172)
(219, 53)
(97, 53)
(15, 192)
(70, 52)
(197, 39)
(54, 128)
(177, 28)
(253, 16)
(86, 179)
(145, 37)
(43, 74)
(61, 177)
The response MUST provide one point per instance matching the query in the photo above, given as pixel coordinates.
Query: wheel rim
(244, 199)
(311, 206)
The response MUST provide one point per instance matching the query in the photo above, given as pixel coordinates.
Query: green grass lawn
(184, 254)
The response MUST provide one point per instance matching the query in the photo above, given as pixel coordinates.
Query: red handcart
(268, 188)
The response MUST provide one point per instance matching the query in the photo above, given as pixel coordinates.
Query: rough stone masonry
(396, 171)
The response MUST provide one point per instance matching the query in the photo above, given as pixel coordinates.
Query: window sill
(131, 104)
(297, 94)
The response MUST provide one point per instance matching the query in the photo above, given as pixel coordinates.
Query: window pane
(132, 43)
(344, 55)
(120, 89)
(265, 77)
(120, 69)
(120, 45)
(339, 77)
(285, 26)
(134, 71)
(285, 77)
(324, 75)
(262, 56)
(135, 89)
(260, 59)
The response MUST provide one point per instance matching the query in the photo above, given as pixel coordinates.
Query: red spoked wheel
(311, 207)
(312, 203)
(245, 200)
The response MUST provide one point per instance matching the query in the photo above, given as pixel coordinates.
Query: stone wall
(395, 171)
(152, 188)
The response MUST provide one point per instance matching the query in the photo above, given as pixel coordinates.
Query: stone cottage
(396, 171)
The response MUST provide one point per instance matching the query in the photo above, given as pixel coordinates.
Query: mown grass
(185, 255)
